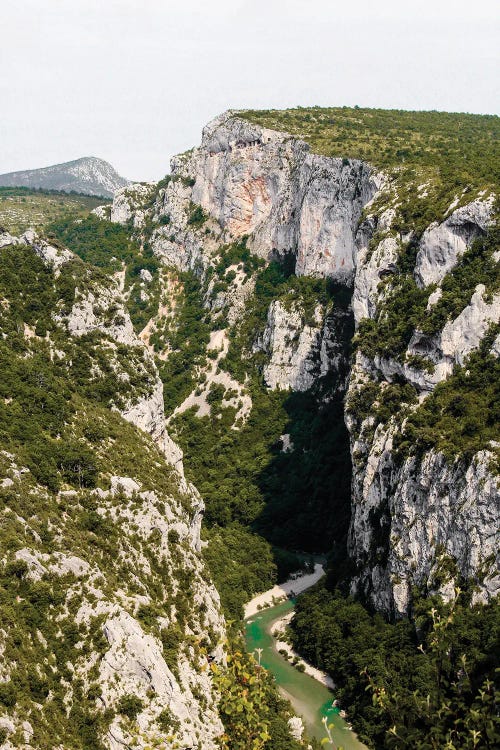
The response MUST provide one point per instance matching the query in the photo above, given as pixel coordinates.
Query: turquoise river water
(309, 698)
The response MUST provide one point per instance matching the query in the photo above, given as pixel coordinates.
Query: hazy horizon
(134, 82)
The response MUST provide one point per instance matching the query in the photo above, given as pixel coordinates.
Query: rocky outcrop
(148, 414)
(370, 269)
(53, 256)
(261, 183)
(177, 243)
(255, 182)
(292, 346)
(131, 660)
(129, 204)
(430, 520)
(427, 523)
(442, 244)
(103, 311)
(302, 348)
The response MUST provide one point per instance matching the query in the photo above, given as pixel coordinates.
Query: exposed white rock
(102, 212)
(181, 249)
(58, 563)
(434, 298)
(232, 301)
(407, 517)
(212, 374)
(255, 181)
(442, 244)
(292, 345)
(147, 413)
(102, 310)
(126, 485)
(145, 276)
(371, 268)
(296, 727)
(300, 352)
(137, 658)
(35, 568)
(460, 336)
(445, 349)
(7, 239)
(451, 346)
(53, 256)
(127, 203)
(133, 661)
(62, 564)
(7, 724)
(495, 349)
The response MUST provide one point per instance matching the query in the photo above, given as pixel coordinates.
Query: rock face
(302, 349)
(291, 345)
(429, 521)
(443, 244)
(127, 202)
(330, 218)
(425, 523)
(87, 175)
(261, 183)
(257, 182)
(369, 270)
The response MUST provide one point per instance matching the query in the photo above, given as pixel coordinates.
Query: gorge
(293, 336)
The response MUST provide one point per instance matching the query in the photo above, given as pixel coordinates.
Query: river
(309, 698)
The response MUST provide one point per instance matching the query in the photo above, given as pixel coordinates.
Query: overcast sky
(134, 81)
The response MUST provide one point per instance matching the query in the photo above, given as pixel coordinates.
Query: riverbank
(308, 690)
(311, 699)
(283, 591)
(277, 631)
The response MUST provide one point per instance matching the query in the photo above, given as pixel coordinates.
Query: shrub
(8, 694)
(130, 706)
(173, 536)
(167, 721)
(197, 216)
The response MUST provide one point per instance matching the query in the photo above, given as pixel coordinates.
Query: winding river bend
(309, 697)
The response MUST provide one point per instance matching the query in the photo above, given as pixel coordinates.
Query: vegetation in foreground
(428, 683)
(254, 714)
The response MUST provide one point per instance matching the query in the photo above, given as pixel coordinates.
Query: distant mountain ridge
(86, 175)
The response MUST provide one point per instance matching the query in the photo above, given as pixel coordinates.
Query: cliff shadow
(307, 483)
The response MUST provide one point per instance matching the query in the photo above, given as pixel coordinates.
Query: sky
(135, 81)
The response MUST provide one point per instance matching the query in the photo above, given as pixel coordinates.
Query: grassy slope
(450, 152)
(22, 208)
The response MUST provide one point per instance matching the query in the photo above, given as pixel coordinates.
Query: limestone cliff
(409, 517)
(336, 218)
